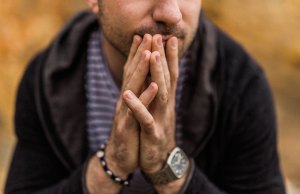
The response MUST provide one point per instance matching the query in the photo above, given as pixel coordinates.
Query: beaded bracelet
(100, 154)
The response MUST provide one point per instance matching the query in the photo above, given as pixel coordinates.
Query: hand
(157, 136)
(123, 147)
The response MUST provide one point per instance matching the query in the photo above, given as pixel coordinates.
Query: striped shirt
(102, 95)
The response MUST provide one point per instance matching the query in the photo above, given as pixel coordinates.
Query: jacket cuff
(199, 183)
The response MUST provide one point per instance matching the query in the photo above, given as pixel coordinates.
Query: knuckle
(168, 84)
(175, 76)
(121, 153)
(149, 122)
(157, 137)
(140, 69)
(168, 79)
(163, 97)
(118, 133)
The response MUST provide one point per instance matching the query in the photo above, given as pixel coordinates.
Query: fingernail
(157, 58)
(135, 39)
(128, 95)
(159, 41)
(153, 85)
(145, 39)
(174, 43)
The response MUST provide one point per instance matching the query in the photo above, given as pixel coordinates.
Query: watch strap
(162, 177)
(166, 174)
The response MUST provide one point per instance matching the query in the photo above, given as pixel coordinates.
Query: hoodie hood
(62, 101)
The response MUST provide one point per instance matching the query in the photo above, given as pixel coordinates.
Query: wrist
(175, 168)
(114, 166)
(97, 180)
(179, 186)
(155, 160)
(121, 178)
(118, 162)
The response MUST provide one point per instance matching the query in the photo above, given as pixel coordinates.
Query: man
(176, 106)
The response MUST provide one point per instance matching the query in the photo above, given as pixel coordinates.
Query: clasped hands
(143, 131)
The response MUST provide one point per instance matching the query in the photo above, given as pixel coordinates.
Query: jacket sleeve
(250, 164)
(34, 167)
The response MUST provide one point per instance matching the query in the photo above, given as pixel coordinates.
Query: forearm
(97, 181)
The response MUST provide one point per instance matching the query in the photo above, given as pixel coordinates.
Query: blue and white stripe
(102, 95)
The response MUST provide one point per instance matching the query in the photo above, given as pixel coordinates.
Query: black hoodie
(229, 126)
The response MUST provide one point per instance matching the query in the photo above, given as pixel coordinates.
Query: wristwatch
(175, 168)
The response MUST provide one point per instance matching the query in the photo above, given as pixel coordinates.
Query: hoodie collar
(64, 74)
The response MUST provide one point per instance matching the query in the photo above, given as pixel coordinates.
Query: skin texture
(149, 41)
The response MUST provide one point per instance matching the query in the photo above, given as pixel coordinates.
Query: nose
(167, 12)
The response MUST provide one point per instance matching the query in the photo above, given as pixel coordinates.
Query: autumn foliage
(269, 30)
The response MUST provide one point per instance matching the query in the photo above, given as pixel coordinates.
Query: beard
(121, 41)
(120, 38)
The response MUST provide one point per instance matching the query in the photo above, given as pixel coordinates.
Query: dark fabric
(228, 118)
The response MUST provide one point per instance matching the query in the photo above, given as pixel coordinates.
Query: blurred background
(269, 30)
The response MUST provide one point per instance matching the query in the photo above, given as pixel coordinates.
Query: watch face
(179, 163)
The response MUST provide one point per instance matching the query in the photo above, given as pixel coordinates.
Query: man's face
(122, 19)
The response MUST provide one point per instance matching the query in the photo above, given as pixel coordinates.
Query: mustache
(161, 29)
